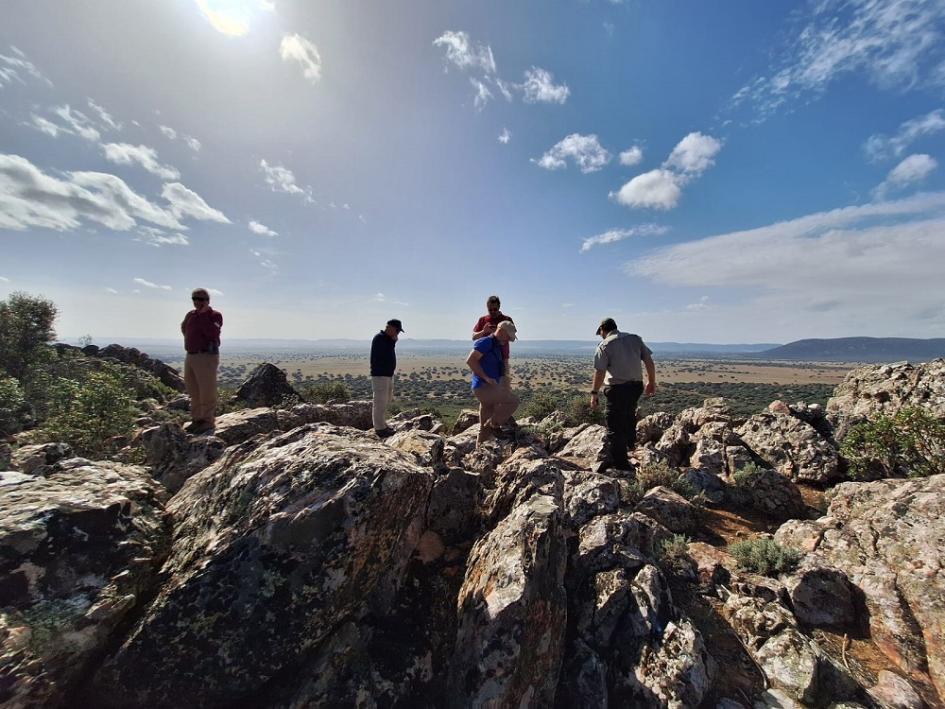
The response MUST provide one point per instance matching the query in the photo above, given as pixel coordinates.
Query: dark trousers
(622, 420)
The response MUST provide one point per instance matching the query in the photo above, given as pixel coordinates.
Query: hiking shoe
(384, 432)
(189, 427)
(200, 427)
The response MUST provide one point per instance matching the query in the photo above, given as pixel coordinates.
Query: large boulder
(887, 537)
(670, 509)
(267, 385)
(34, 458)
(174, 456)
(588, 447)
(793, 448)
(79, 551)
(885, 389)
(274, 548)
(767, 492)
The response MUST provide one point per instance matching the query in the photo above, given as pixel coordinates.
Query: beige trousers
(383, 388)
(497, 403)
(200, 377)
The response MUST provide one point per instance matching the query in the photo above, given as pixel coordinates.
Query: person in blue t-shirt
(496, 402)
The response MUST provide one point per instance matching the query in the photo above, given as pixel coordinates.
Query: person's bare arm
(596, 384)
(473, 361)
(650, 389)
(484, 332)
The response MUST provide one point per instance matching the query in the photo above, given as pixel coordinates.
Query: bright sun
(232, 17)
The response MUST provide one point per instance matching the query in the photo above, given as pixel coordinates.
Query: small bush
(909, 443)
(85, 415)
(764, 556)
(541, 404)
(323, 392)
(14, 411)
(745, 473)
(673, 553)
(656, 474)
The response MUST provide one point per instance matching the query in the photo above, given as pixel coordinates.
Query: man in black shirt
(383, 364)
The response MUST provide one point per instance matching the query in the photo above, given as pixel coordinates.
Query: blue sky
(715, 172)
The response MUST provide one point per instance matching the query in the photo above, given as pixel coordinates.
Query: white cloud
(47, 127)
(894, 42)
(379, 298)
(656, 189)
(158, 238)
(694, 154)
(612, 236)
(539, 87)
(261, 229)
(701, 304)
(465, 54)
(881, 147)
(112, 291)
(631, 156)
(80, 124)
(127, 154)
(105, 118)
(193, 144)
(264, 260)
(13, 65)
(4, 279)
(168, 131)
(172, 134)
(913, 169)
(214, 291)
(298, 49)
(31, 198)
(185, 202)
(483, 94)
(282, 179)
(149, 284)
(505, 136)
(585, 150)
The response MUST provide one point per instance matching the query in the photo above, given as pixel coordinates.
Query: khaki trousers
(497, 403)
(200, 377)
(383, 388)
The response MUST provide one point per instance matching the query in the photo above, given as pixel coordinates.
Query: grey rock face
(768, 492)
(588, 447)
(894, 692)
(79, 550)
(426, 448)
(651, 428)
(885, 389)
(273, 547)
(793, 448)
(173, 456)
(31, 459)
(267, 385)
(887, 537)
(166, 374)
(670, 509)
(820, 595)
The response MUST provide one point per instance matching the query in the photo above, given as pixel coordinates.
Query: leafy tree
(909, 443)
(14, 411)
(26, 324)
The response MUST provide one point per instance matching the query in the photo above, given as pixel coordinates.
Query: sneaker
(384, 432)
(200, 427)
(189, 427)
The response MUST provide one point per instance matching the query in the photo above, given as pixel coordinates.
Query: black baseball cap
(606, 325)
(394, 322)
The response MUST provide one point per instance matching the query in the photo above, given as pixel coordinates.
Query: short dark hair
(493, 299)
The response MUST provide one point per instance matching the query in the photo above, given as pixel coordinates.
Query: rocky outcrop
(793, 448)
(887, 537)
(166, 374)
(79, 551)
(267, 385)
(586, 448)
(767, 492)
(274, 546)
(885, 389)
(33, 459)
(175, 456)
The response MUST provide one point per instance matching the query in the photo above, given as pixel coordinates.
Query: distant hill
(859, 349)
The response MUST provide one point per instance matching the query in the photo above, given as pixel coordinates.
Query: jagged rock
(465, 419)
(792, 662)
(888, 536)
(174, 456)
(768, 492)
(677, 671)
(618, 539)
(588, 495)
(650, 428)
(180, 403)
(713, 565)
(354, 414)
(587, 447)
(426, 448)
(820, 595)
(242, 425)
(885, 389)
(267, 385)
(560, 437)
(776, 699)
(706, 482)
(31, 459)
(521, 477)
(675, 445)
(166, 374)
(804, 535)
(813, 414)
(708, 455)
(6, 454)
(79, 550)
(461, 444)
(670, 509)
(791, 447)
(512, 610)
(737, 458)
(453, 511)
(894, 692)
(274, 547)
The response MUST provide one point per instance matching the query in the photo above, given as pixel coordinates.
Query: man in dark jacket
(201, 329)
(383, 364)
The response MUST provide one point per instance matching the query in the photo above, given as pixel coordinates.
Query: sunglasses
(199, 299)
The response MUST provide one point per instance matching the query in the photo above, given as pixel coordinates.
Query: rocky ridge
(292, 559)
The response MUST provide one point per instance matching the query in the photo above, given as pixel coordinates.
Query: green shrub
(656, 474)
(745, 473)
(542, 404)
(673, 553)
(87, 414)
(323, 392)
(14, 411)
(764, 556)
(909, 443)
(26, 324)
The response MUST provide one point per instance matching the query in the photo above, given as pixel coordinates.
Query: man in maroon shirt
(486, 325)
(201, 330)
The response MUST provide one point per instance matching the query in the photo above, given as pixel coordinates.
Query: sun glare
(232, 17)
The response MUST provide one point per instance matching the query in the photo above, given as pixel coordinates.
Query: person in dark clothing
(618, 365)
(201, 329)
(383, 364)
